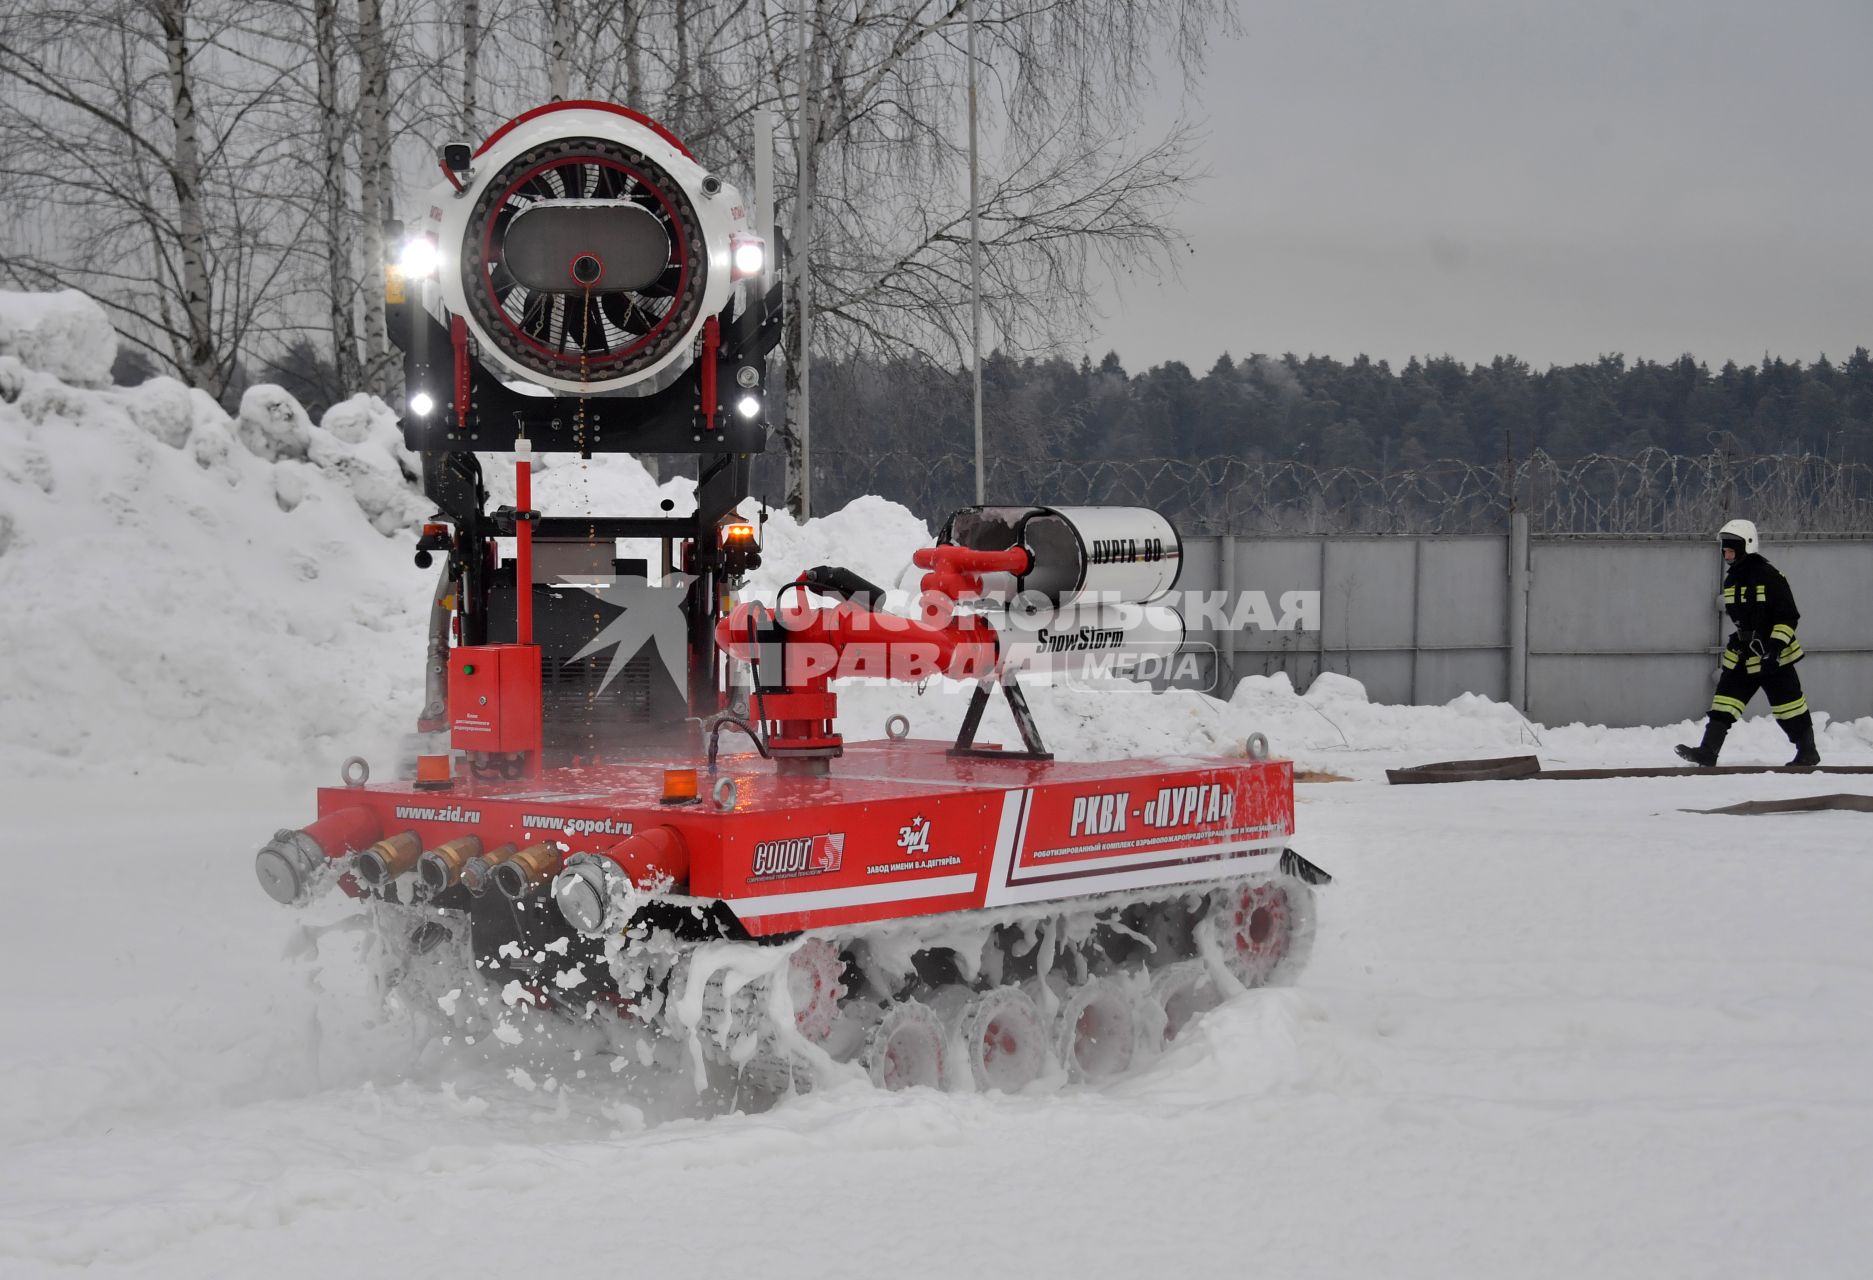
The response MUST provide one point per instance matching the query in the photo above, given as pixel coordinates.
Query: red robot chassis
(922, 912)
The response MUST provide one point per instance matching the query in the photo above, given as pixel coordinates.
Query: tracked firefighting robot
(645, 819)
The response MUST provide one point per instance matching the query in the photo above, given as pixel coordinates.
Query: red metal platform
(900, 828)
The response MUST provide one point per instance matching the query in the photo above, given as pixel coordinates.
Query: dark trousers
(1780, 685)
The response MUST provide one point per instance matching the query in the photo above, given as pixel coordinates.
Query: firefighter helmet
(1742, 532)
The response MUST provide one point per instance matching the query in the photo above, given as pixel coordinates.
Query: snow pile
(873, 537)
(183, 586)
(606, 484)
(1332, 728)
(64, 334)
(237, 592)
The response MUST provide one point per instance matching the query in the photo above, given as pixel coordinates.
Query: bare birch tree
(200, 359)
(373, 181)
(879, 212)
(333, 124)
(140, 166)
(559, 49)
(471, 64)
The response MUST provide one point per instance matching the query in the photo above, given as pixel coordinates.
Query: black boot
(1800, 731)
(1704, 754)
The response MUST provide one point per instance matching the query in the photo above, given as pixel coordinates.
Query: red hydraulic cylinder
(523, 541)
(711, 339)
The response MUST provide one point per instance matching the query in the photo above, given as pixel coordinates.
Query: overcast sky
(1549, 180)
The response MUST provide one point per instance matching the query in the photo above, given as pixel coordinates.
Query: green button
(468, 668)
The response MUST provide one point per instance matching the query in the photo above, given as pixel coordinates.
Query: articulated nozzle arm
(956, 572)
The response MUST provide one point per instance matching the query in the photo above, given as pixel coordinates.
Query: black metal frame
(1017, 706)
(668, 421)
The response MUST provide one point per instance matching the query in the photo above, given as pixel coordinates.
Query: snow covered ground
(1549, 1029)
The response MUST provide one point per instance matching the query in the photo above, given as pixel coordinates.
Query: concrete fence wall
(1605, 630)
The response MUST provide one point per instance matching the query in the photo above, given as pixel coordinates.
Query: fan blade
(513, 301)
(622, 310)
(536, 319)
(665, 285)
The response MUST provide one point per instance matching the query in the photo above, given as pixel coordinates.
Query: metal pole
(1320, 647)
(1417, 614)
(975, 250)
(1225, 637)
(803, 238)
(1518, 611)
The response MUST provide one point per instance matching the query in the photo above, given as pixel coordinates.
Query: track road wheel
(906, 1048)
(1184, 991)
(1257, 925)
(814, 988)
(1005, 1038)
(1097, 1031)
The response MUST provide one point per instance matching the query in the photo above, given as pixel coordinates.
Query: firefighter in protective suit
(1761, 654)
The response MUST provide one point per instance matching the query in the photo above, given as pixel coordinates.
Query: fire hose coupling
(384, 861)
(594, 894)
(296, 866)
(520, 875)
(476, 871)
(441, 867)
(598, 893)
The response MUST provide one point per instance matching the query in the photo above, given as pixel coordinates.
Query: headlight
(748, 406)
(422, 403)
(748, 255)
(419, 257)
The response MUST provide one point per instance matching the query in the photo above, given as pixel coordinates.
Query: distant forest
(1362, 414)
